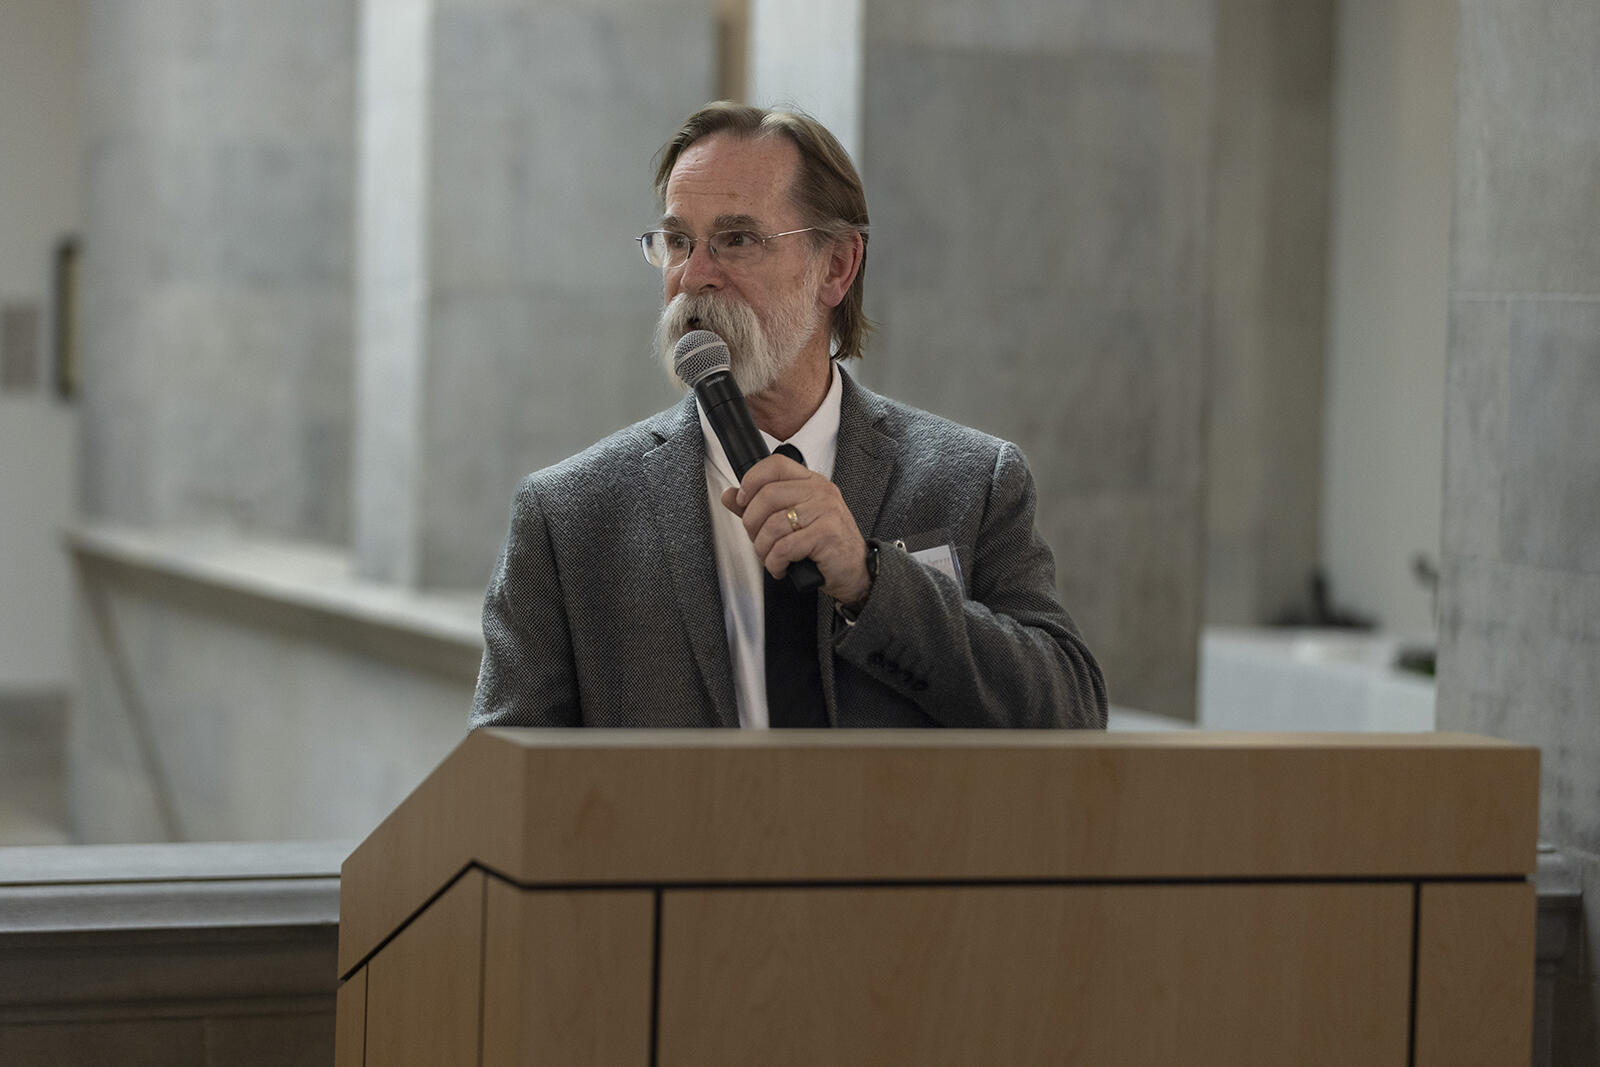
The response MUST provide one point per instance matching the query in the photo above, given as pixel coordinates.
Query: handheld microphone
(703, 361)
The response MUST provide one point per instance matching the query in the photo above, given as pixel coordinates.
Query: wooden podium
(855, 897)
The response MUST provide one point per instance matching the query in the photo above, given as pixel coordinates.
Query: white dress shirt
(739, 571)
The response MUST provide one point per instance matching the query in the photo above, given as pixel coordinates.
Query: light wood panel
(567, 976)
(350, 1021)
(621, 807)
(423, 987)
(1126, 975)
(1475, 971)
(449, 821)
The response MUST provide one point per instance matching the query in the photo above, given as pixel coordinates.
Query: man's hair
(827, 190)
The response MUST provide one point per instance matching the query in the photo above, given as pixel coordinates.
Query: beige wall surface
(809, 56)
(1383, 455)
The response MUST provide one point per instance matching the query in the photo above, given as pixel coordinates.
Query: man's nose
(701, 271)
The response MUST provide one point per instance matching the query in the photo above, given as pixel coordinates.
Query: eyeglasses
(669, 249)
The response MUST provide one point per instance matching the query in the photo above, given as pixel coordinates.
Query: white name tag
(940, 558)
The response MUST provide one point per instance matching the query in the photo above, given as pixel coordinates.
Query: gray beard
(761, 353)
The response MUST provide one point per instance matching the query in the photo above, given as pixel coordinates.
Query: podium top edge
(630, 808)
(582, 738)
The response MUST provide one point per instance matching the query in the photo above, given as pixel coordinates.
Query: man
(640, 584)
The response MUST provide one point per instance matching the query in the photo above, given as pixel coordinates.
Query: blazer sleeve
(527, 677)
(1009, 655)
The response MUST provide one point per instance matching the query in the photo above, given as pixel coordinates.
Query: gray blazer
(604, 608)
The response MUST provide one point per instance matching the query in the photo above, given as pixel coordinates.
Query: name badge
(940, 558)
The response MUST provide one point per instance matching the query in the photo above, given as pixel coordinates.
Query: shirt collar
(817, 440)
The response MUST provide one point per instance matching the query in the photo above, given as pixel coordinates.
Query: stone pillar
(1269, 259)
(504, 314)
(1039, 178)
(216, 337)
(1520, 613)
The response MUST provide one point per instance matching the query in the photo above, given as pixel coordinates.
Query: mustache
(762, 350)
(729, 319)
(732, 320)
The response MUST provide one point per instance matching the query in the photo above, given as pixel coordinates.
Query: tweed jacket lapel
(675, 481)
(862, 469)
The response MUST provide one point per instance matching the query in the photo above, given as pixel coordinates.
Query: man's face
(768, 311)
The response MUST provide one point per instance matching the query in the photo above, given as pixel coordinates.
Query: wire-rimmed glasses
(669, 249)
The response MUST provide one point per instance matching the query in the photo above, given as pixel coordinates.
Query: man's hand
(827, 531)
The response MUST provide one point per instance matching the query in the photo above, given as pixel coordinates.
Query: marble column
(215, 333)
(504, 315)
(1039, 179)
(1520, 612)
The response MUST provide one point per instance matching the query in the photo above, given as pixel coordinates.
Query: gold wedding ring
(794, 520)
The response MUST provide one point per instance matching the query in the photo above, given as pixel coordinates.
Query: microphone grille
(699, 353)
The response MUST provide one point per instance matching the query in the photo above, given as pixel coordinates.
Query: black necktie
(794, 674)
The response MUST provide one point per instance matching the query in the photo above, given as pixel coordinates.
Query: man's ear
(844, 263)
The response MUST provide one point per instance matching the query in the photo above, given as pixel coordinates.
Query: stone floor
(33, 808)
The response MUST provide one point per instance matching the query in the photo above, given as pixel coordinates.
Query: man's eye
(677, 242)
(738, 239)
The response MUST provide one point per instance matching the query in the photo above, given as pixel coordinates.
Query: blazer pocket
(916, 542)
(926, 548)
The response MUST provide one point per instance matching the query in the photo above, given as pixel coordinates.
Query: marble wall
(1040, 182)
(1520, 614)
(522, 308)
(215, 332)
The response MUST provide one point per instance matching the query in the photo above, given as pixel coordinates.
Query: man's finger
(776, 498)
(774, 468)
(777, 527)
(800, 544)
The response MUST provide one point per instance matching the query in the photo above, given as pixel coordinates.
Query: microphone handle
(729, 415)
(804, 575)
(742, 444)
